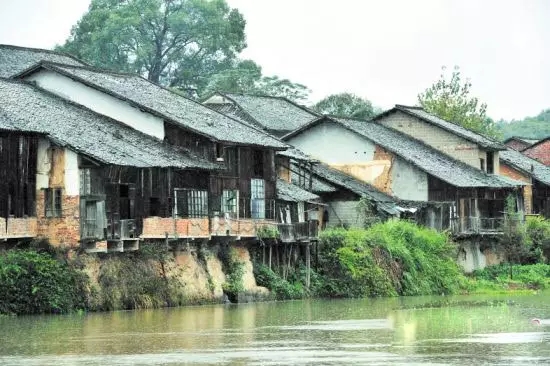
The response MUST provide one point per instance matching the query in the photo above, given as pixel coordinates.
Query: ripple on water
(341, 325)
(502, 338)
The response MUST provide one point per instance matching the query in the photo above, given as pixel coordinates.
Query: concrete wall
(333, 144)
(99, 102)
(439, 138)
(540, 152)
(343, 213)
(409, 182)
(471, 257)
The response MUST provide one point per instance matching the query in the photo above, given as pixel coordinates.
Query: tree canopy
(537, 127)
(246, 77)
(346, 105)
(449, 98)
(178, 43)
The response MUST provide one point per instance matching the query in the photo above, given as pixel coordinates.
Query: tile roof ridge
(117, 95)
(33, 49)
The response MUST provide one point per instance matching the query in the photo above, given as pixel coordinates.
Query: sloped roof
(456, 129)
(167, 104)
(417, 153)
(318, 185)
(292, 193)
(271, 113)
(536, 143)
(296, 154)
(337, 178)
(7, 124)
(31, 109)
(529, 166)
(527, 141)
(14, 59)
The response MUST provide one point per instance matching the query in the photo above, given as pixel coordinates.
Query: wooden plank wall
(18, 152)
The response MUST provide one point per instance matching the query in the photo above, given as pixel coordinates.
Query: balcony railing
(121, 229)
(299, 231)
(481, 225)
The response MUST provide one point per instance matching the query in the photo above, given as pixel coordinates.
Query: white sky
(387, 50)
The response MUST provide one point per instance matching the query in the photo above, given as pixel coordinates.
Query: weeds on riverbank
(388, 259)
(33, 282)
(496, 279)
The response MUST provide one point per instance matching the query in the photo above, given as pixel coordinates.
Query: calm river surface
(473, 330)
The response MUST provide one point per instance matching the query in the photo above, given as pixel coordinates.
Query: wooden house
(536, 194)
(463, 198)
(453, 140)
(237, 199)
(75, 176)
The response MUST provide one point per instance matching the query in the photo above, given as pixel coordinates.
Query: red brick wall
(384, 182)
(540, 152)
(60, 231)
(527, 190)
(157, 227)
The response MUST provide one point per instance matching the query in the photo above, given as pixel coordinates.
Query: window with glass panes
(257, 199)
(191, 203)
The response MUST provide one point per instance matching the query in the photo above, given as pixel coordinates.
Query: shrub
(34, 283)
(281, 289)
(388, 259)
(234, 271)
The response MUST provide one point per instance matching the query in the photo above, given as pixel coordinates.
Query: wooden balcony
(479, 225)
(299, 231)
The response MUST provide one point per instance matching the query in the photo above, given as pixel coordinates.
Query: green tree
(178, 43)
(246, 77)
(450, 99)
(346, 105)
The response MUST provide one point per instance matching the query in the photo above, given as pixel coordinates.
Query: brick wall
(60, 231)
(157, 227)
(527, 190)
(440, 139)
(22, 227)
(540, 152)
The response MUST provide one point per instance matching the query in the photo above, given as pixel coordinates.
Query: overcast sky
(387, 50)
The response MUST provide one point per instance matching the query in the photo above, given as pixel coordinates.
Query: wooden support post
(270, 253)
(308, 265)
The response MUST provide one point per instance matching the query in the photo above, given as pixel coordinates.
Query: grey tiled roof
(465, 133)
(317, 185)
(296, 154)
(521, 139)
(31, 109)
(292, 193)
(169, 105)
(362, 189)
(234, 111)
(524, 163)
(272, 113)
(425, 157)
(14, 59)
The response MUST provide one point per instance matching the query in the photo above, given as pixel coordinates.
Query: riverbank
(394, 258)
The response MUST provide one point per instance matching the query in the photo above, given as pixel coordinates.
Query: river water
(461, 330)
